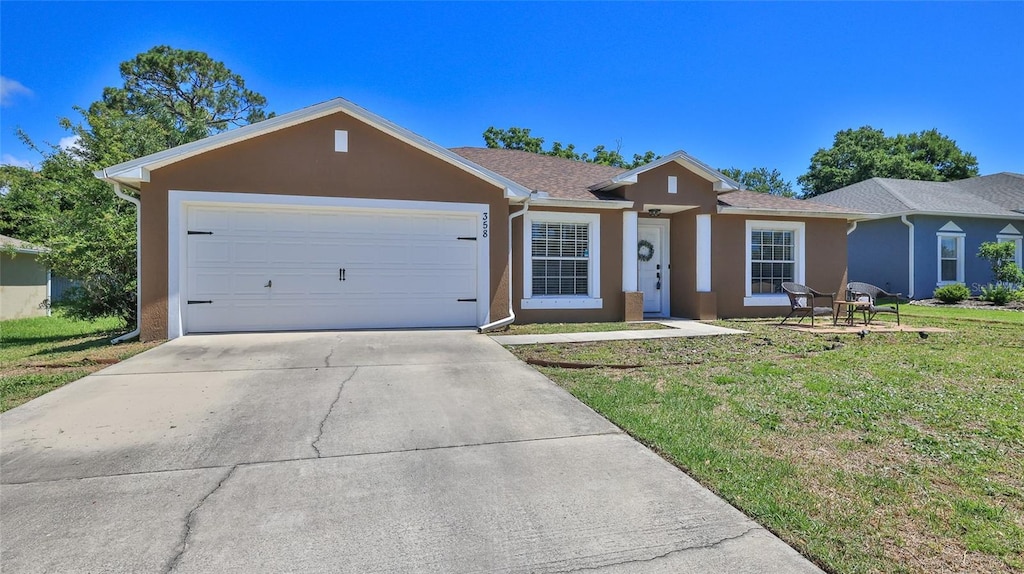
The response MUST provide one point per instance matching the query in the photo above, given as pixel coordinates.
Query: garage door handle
(341, 274)
(270, 283)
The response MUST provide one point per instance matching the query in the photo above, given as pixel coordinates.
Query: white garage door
(262, 269)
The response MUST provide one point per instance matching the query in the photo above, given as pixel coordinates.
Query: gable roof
(20, 246)
(720, 181)
(998, 196)
(134, 172)
(559, 177)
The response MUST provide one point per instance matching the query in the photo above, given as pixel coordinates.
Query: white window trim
(1017, 240)
(960, 240)
(799, 236)
(593, 301)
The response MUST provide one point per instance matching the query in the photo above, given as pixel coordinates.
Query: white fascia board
(722, 183)
(581, 203)
(137, 170)
(897, 214)
(729, 210)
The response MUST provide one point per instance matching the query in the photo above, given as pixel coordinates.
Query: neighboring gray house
(24, 280)
(924, 234)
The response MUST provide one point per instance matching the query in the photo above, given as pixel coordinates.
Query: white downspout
(910, 225)
(511, 314)
(138, 265)
(851, 228)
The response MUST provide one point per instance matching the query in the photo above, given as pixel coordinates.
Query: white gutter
(138, 265)
(852, 228)
(910, 253)
(511, 314)
(583, 203)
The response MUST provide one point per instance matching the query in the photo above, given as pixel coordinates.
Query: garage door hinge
(194, 302)
(465, 300)
(466, 238)
(190, 232)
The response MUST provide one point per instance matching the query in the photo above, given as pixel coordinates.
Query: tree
(857, 155)
(516, 138)
(169, 97)
(1002, 258)
(761, 180)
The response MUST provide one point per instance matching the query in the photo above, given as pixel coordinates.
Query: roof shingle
(998, 195)
(756, 200)
(561, 178)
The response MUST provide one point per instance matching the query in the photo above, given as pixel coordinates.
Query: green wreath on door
(644, 250)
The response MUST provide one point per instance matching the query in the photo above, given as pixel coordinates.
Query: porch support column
(629, 239)
(704, 253)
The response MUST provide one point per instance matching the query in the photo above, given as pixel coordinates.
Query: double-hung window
(951, 258)
(1018, 256)
(561, 263)
(775, 255)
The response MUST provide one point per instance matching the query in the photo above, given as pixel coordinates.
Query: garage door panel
(209, 251)
(402, 269)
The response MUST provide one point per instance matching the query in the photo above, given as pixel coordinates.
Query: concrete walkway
(679, 328)
(429, 451)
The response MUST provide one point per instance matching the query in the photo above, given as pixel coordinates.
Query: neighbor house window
(951, 258)
(1018, 256)
(775, 255)
(560, 267)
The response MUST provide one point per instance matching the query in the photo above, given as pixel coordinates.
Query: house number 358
(484, 222)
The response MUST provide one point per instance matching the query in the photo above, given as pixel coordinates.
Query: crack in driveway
(190, 519)
(330, 410)
(663, 555)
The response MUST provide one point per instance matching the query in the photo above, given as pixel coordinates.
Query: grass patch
(887, 454)
(555, 328)
(995, 315)
(40, 354)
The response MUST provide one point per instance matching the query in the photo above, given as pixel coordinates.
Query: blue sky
(735, 84)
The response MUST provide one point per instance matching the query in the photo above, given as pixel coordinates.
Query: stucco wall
(825, 259)
(976, 270)
(878, 254)
(22, 286)
(613, 308)
(301, 160)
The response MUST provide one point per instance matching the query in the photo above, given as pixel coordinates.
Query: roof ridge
(897, 196)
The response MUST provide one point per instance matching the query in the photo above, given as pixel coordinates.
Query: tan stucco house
(332, 217)
(24, 280)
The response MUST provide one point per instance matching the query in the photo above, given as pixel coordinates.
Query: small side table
(851, 309)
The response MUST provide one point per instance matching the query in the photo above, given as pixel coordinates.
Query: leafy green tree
(1001, 256)
(516, 138)
(169, 97)
(857, 155)
(513, 138)
(761, 180)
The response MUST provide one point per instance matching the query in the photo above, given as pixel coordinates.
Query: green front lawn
(892, 453)
(40, 354)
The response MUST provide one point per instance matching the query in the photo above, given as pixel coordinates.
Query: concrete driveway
(415, 451)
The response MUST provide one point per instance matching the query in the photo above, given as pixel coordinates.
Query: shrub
(953, 293)
(1000, 293)
(1001, 257)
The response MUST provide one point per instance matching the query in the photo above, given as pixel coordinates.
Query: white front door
(652, 266)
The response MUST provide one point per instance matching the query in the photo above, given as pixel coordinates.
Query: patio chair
(866, 292)
(802, 299)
